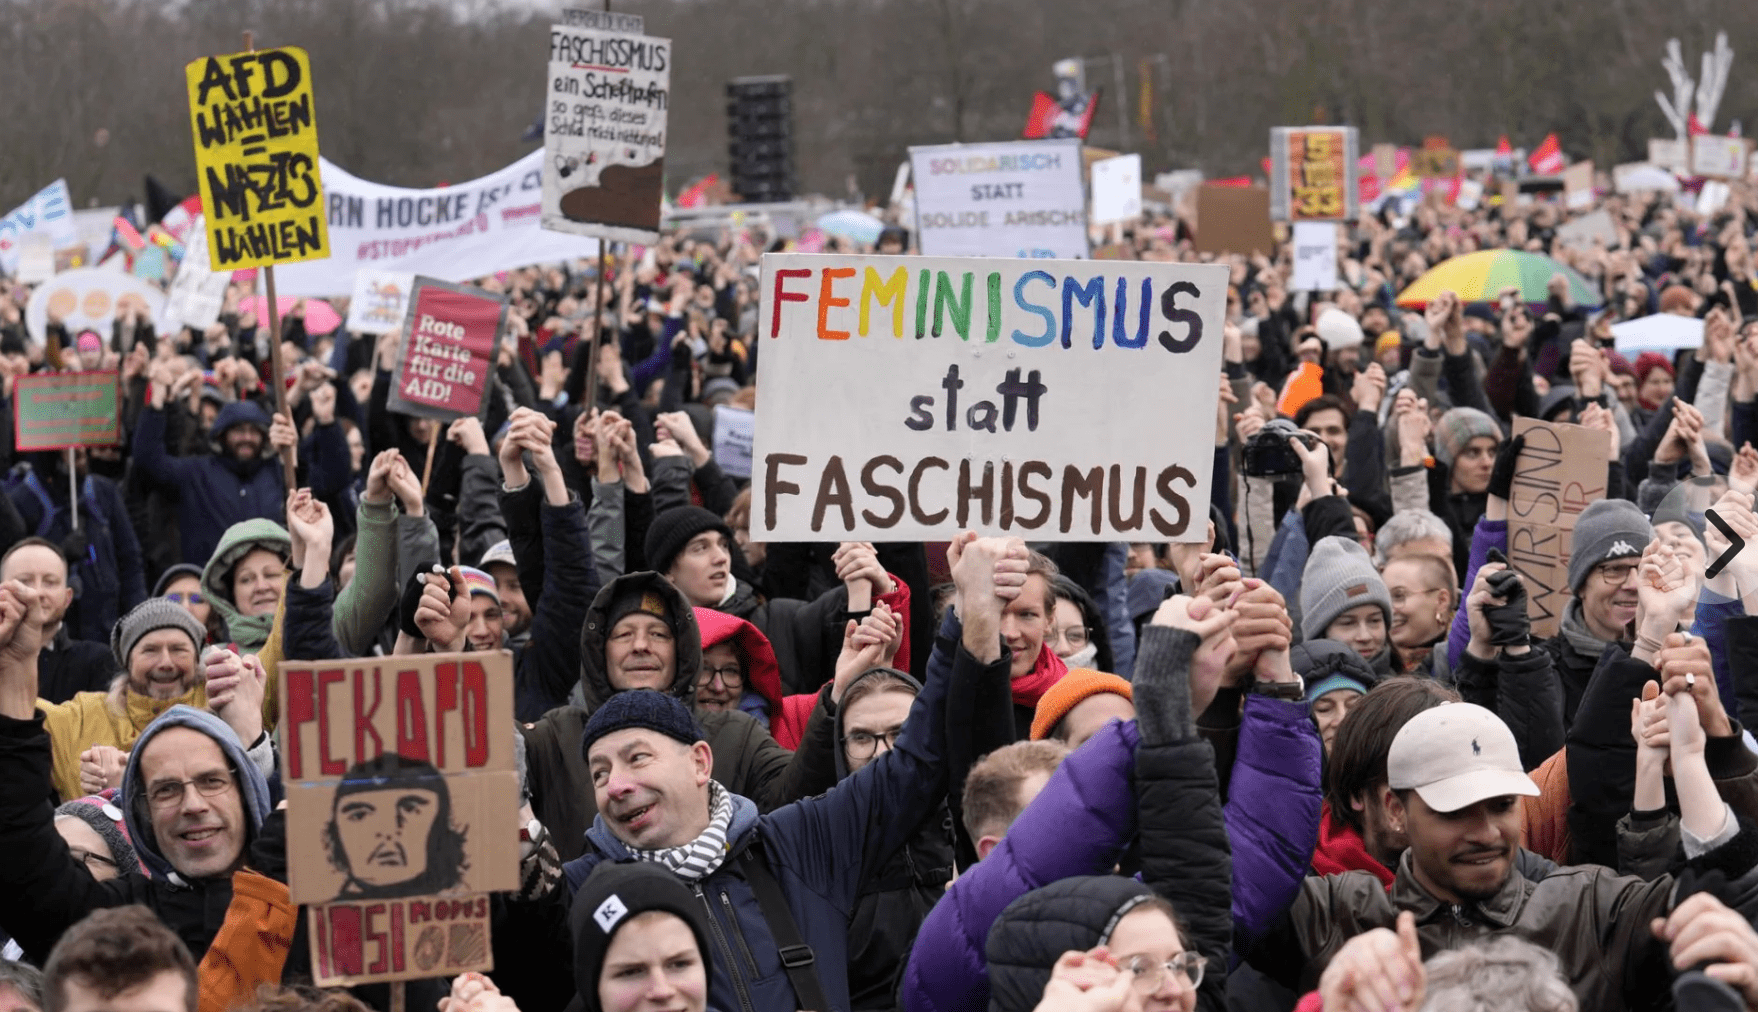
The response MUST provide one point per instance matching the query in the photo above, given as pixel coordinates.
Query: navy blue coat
(214, 491)
(109, 577)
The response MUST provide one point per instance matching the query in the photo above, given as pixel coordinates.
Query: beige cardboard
(1561, 470)
(1234, 219)
(1385, 160)
(404, 939)
(453, 710)
(325, 838)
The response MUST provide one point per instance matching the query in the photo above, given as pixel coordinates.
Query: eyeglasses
(192, 597)
(1075, 636)
(1614, 574)
(862, 745)
(1400, 595)
(1149, 975)
(86, 858)
(730, 676)
(171, 792)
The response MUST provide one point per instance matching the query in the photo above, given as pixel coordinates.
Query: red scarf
(1341, 849)
(1047, 672)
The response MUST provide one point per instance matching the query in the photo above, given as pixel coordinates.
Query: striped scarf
(699, 858)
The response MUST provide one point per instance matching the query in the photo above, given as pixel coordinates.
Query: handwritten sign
(53, 411)
(1435, 163)
(402, 809)
(89, 298)
(610, 21)
(1315, 256)
(1117, 189)
(253, 116)
(1559, 472)
(1716, 157)
(197, 293)
(733, 429)
(1312, 175)
(50, 212)
(1013, 199)
(909, 398)
(447, 351)
(604, 125)
(380, 301)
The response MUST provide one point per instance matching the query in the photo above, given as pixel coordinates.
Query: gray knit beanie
(1458, 427)
(1339, 576)
(151, 615)
(1607, 529)
(105, 818)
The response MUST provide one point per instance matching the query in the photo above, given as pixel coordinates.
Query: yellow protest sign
(254, 122)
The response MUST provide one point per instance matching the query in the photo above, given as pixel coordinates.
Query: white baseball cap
(1455, 755)
(501, 551)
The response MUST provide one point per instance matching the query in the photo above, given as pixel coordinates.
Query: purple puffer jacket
(1085, 817)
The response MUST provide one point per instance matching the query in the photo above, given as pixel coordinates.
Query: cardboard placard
(1435, 163)
(380, 301)
(88, 298)
(1716, 157)
(1584, 231)
(1670, 153)
(1315, 256)
(604, 130)
(53, 411)
(1117, 189)
(1578, 186)
(36, 258)
(402, 809)
(49, 211)
(254, 121)
(1312, 174)
(911, 398)
(1234, 219)
(447, 351)
(609, 21)
(1561, 469)
(733, 431)
(1385, 160)
(1012, 199)
(197, 293)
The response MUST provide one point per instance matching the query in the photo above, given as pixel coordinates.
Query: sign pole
(432, 441)
(274, 315)
(397, 996)
(72, 488)
(597, 327)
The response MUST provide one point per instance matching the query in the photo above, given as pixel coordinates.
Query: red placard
(447, 350)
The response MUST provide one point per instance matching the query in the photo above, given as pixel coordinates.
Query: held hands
(857, 566)
(235, 691)
(1587, 366)
(1666, 587)
(1213, 625)
(870, 643)
(405, 484)
(677, 427)
(1370, 387)
(1087, 982)
(101, 767)
(1446, 323)
(1377, 971)
(467, 433)
(1414, 426)
(1596, 417)
(313, 530)
(1684, 666)
(988, 574)
(1734, 508)
(472, 992)
(1262, 635)
(1703, 930)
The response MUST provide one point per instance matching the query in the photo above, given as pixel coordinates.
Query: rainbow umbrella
(1481, 276)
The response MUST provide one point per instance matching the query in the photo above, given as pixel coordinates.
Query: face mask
(1082, 658)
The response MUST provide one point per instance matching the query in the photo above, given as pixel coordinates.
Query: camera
(1270, 453)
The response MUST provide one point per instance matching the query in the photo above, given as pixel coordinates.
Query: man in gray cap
(1610, 536)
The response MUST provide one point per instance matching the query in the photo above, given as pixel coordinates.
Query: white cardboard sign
(1117, 189)
(1716, 157)
(1014, 199)
(380, 301)
(733, 428)
(908, 398)
(197, 293)
(1315, 256)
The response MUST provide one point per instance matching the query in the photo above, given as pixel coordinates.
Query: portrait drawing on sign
(391, 832)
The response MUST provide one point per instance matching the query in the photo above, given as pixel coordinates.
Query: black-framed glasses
(1615, 573)
(1075, 637)
(861, 745)
(1149, 975)
(168, 793)
(731, 676)
(86, 858)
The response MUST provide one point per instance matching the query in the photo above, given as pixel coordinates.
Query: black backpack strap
(796, 956)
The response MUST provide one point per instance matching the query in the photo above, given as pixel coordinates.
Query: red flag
(1503, 148)
(1547, 159)
(1693, 126)
(692, 197)
(1042, 122)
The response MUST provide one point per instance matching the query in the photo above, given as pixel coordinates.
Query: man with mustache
(391, 831)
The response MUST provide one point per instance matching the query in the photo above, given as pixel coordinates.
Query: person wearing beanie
(97, 836)
(640, 940)
(1343, 337)
(1609, 538)
(1388, 351)
(65, 666)
(1466, 440)
(1082, 702)
(485, 631)
(1343, 598)
(181, 584)
(1335, 676)
(693, 548)
(1654, 380)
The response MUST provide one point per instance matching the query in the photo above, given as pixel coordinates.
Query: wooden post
(597, 326)
(397, 996)
(274, 314)
(432, 443)
(72, 491)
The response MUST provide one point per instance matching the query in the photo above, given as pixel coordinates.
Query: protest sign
(1234, 219)
(1385, 160)
(732, 439)
(1561, 469)
(1578, 186)
(447, 352)
(1117, 189)
(1670, 153)
(1470, 194)
(88, 298)
(197, 293)
(604, 126)
(1716, 157)
(380, 301)
(402, 809)
(454, 233)
(48, 211)
(54, 411)
(36, 258)
(253, 118)
(907, 399)
(1312, 174)
(1584, 231)
(609, 21)
(1440, 162)
(1315, 256)
(1014, 199)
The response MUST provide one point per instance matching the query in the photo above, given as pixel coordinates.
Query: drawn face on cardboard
(391, 831)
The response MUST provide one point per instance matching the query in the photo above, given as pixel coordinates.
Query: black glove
(74, 546)
(1501, 478)
(1509, 623)
(268, 851)
(412, 600)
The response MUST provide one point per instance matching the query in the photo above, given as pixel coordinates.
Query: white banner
(454, 233)
(50, 210)
(1016, 199)
(1315, 256)
(379, 302)
(604, 121)
(1117, 189)
(907, 398)
(88, 298)
(197, 293)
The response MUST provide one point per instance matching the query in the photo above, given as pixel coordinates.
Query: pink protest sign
(447, 350)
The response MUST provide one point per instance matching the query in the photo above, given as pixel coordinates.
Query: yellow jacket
(113, 718)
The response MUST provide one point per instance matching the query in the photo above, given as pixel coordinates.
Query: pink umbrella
(320, 316)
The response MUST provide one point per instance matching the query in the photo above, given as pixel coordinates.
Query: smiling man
(1609, 538)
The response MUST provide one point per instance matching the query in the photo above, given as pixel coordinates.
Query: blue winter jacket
(109, 577)
(214, 492)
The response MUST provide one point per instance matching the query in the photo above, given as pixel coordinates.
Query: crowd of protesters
(1320, 759)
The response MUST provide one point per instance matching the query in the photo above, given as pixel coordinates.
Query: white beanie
(1338, 329)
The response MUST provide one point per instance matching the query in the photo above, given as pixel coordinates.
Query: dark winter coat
(215, 491)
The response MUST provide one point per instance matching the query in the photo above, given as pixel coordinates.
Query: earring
(1439, 618)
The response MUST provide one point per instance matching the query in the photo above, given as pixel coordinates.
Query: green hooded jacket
(240, 539)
